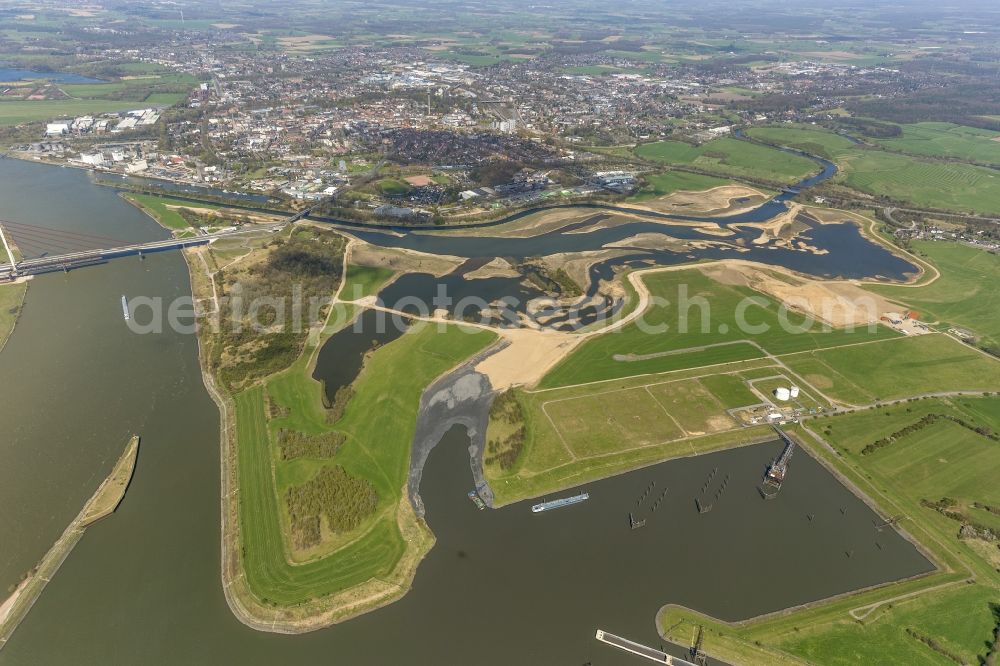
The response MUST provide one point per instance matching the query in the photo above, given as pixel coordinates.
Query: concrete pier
(641, 650)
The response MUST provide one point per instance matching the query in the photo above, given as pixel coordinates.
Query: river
(499, 587)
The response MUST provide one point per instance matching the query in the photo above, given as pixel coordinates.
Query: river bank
(12, 298)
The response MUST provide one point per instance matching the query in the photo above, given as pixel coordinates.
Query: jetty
(640, 650)
(101, 504)
(774, 476)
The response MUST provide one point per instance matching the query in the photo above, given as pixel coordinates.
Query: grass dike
(105, 500)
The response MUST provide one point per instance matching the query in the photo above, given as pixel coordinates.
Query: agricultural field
(962, 296)
(947, 140)
(934, 457)
(734, 157)
(710, 335)
(148, 87)
(391, 384)
(18, 112)
(950, 186)
(887, 370)
(581, 433)
(816, 141)
(662, 184)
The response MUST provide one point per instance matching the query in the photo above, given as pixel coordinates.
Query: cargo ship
(560, 503)
(474, 496)
(125, 308)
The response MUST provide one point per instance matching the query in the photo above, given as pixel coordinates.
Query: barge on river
(560, 503)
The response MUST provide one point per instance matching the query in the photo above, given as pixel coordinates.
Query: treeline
(295, 444)
(870, 128)
(934, 645)
(344, 500)
(504, 451)
(335, 408)
(993, 655)
(923, 423)
(966, 104)
(970, 529)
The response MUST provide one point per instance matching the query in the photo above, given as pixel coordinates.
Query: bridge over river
(78, 258)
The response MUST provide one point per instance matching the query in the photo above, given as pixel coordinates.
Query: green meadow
(728, 156)
(947, 140)
(376, 450)
(816, 141)
(668, 182)
(362, 281)
(862, 374)
(946, 185)
(908, 178)
(19, 111)
(711, 316)
(964, 295)
(164, 209)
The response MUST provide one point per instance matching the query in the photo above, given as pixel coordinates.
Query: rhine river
(499, 587)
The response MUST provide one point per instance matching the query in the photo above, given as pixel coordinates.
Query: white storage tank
(782, 393)
(794, 391)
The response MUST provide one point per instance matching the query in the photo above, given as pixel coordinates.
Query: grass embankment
(101, 504)
(943, 618)
(166, 211)
(732, 157)
(11, 302)
(907, 178)
(687, 330)
(112, 490)
(376, 449)
(964, 295)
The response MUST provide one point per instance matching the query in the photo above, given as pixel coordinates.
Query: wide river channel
(499, 587)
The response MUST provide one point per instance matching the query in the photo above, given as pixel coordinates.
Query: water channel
(499, 587)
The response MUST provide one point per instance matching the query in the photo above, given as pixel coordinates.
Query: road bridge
(13, 268)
